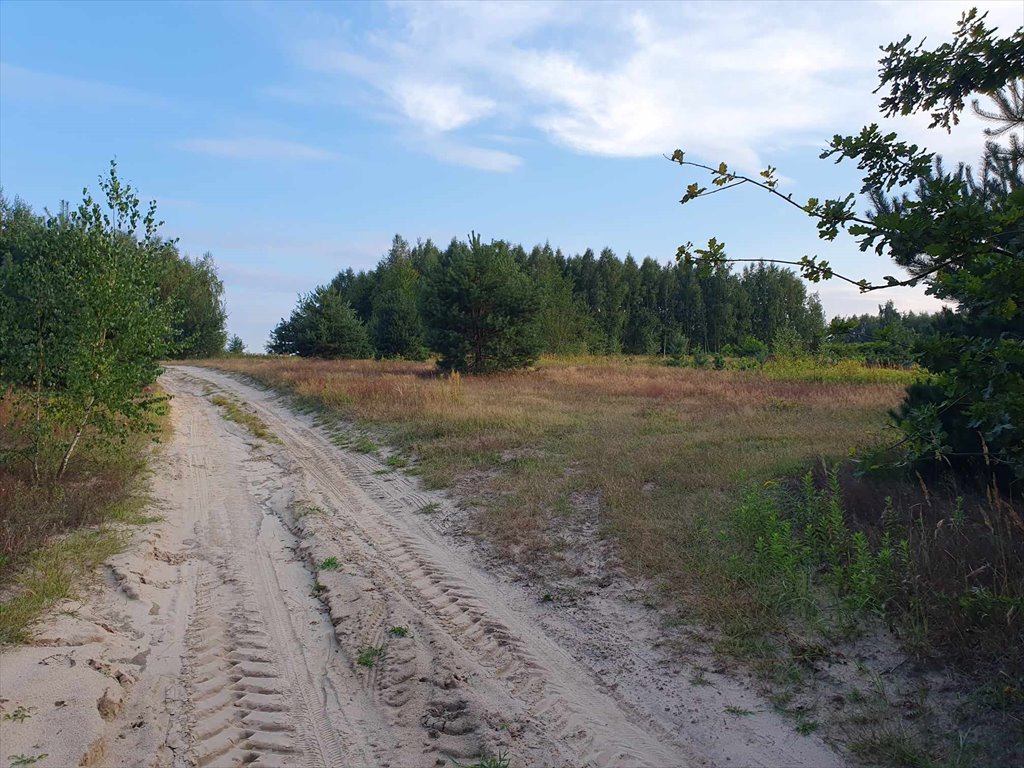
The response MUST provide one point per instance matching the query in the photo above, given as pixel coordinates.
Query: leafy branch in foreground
(960, 232)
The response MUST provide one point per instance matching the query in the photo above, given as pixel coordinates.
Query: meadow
(659, 453)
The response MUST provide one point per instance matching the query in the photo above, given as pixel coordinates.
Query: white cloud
(722, 80)
(440, 106)
(247, 148)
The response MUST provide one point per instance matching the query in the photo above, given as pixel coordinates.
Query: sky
(294, 140)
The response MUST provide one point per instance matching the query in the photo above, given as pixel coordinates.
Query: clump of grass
(500, 760)
(369, 655)
(430, 508)
(364, 444)
(233, 411)
(399, 631)
(397, 462)
(328, 564)
(806, 727)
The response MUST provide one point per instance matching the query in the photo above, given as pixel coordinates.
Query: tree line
(483, 306)
(91, 299)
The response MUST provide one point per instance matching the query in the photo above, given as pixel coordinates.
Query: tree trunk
(74, 441)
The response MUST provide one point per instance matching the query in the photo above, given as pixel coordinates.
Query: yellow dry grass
(658, 451)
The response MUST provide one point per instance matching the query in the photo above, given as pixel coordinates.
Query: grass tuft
(234, 411)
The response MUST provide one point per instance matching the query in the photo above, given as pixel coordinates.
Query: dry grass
(663, 449)
(54, 534)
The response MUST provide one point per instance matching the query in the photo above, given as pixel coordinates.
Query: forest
(487, 306)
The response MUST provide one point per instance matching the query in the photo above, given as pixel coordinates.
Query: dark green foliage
(480, 309)
(957, 231)
(322, 324)
(581, 304)
(235, 345)
(395, 324)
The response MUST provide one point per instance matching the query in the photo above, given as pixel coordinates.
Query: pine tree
(480, 309)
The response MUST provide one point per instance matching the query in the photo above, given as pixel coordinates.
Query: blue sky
(293, 140)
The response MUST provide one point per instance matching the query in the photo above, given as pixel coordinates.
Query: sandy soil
(214, 640)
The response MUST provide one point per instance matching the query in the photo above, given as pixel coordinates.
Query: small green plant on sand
(500, 760)
(399, 631)
(19, 760)
(328, 564)
(369, 655)
(20, 714)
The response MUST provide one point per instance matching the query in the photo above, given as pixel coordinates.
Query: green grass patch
(54, 572)
(233, 411)
(370, 655)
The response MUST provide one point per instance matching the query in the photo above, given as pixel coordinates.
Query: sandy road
(235, 649)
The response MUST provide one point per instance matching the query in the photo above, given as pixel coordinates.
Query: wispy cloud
(440, 106)
(249, 148)
(480, 158)
(29, 84)
(722, 80)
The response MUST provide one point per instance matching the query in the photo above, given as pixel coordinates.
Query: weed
(307, 510)
(547, 597)
(364, 444)
(700, 678)
(500, 760)
(429, 509)
(19, 760)
(328, 564)
(399, 631)
(397, 462)
(806, 727)
(369, 655)
(20, 714)
(53, 573)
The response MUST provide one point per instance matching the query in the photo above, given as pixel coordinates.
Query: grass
(234, 411)
(53, 534)
(328, 564)
(399, 631)
(697, 436)
(500, 760)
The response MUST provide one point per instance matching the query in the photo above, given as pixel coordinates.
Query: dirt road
(230, 636)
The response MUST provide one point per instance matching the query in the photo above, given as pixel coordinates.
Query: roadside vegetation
(90, 299)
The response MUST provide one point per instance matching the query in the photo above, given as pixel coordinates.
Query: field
(657, 456)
